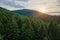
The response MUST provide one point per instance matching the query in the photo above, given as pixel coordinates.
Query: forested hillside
(17, 27)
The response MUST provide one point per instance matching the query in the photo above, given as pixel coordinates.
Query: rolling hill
(17, 27)
(37, 15)
(14, 26)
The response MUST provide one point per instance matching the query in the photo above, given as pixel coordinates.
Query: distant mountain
(30, 13)
(36, 14)
(26, 12)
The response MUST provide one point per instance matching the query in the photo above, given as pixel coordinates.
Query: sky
(52, 6)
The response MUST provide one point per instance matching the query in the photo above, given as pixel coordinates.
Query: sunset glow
(43, 10)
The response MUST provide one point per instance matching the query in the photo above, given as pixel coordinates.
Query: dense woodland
(17, 27)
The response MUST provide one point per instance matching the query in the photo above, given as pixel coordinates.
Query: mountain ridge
(32, 14)
(36, 14)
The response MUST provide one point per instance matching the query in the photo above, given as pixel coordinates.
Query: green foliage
(18, 27)
(1, 37)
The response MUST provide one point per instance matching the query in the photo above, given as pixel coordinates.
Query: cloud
(22, 0)
(9, 7)
(31, 4)
(13, 3)
(51, 5)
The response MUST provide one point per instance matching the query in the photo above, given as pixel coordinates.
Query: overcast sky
(53, 6)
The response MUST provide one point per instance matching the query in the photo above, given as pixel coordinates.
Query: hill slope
(17, 27)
